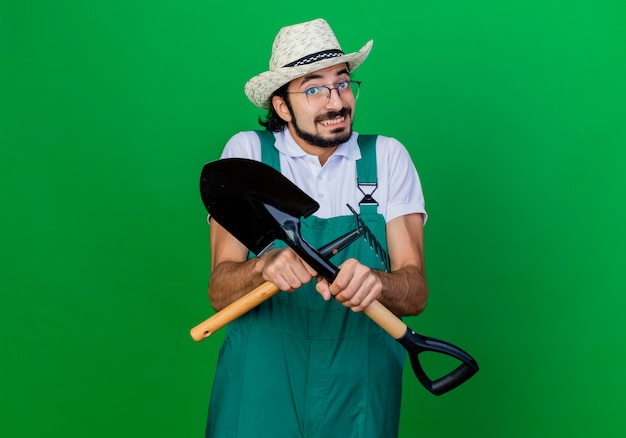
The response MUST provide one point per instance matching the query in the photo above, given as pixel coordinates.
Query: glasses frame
(330, 90)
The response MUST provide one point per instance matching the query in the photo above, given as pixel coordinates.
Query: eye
(314, 91)
(343, 85)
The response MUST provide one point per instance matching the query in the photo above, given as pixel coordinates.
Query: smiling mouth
(334, 118)
(331, 122)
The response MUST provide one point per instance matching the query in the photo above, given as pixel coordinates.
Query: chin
(328, 139)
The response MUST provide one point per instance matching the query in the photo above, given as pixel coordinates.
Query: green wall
(513, 112)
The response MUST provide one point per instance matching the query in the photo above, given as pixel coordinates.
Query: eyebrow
(313, 76)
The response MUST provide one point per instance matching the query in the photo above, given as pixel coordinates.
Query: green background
(513, 112)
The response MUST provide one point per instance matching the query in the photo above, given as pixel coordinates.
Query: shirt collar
(288, 146)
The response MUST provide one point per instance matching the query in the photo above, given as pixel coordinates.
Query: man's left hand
(356, 286)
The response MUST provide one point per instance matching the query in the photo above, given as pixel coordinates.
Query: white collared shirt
(334, 185)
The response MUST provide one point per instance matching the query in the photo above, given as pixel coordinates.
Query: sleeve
(245, 144)
(404, 195)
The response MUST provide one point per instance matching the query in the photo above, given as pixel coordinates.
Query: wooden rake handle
(234, 310)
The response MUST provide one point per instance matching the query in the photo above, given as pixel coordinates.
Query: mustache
(334, 114)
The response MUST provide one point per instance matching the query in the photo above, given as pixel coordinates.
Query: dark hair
(272, 121)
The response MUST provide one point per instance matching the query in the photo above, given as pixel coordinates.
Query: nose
(334, 99)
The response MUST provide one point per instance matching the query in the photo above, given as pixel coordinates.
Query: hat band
(309, 59)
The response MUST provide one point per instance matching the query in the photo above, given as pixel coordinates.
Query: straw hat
(297, 51)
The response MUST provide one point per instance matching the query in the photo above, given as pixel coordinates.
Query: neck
(323, 154)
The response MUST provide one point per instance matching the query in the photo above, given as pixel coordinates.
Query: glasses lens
(356, 88)
(317, 96)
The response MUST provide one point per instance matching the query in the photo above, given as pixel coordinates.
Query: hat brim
(260, 88)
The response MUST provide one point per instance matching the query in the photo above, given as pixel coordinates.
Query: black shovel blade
(236, 191)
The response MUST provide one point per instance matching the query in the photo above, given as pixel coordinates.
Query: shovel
(258, 205)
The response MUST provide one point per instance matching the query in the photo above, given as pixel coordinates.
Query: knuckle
(354, 302)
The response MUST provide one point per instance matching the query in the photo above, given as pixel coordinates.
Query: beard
(338, 137)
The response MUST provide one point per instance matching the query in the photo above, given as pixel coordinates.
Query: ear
(281, 108)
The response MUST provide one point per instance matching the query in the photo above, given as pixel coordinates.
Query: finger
(374, 289)
(323, 289)
(297, 272)
(312, 272)
(362, 304)
(286, 269)
(361, 293)
(346, 285)
(297, 276)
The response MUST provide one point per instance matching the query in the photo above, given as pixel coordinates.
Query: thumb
(323, 288)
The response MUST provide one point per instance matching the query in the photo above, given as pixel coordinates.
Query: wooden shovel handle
(234, 310)
(386, 319)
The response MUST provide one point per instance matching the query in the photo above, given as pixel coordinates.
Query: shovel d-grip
(234, 189)
(415, 344)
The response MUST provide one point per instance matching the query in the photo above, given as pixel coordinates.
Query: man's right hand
(285, 269)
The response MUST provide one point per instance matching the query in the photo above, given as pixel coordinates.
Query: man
(309, 362)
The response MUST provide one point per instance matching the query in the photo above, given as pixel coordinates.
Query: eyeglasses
(320, 95)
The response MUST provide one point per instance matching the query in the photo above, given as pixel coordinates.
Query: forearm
(231, 280)
(404, 291)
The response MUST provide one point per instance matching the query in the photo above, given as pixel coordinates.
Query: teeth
(332, 122)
